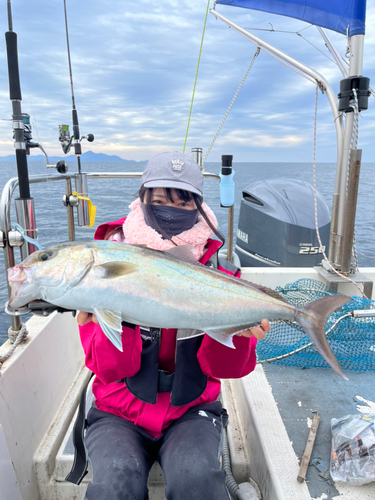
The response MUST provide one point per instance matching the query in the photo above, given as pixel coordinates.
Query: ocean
(112, 198)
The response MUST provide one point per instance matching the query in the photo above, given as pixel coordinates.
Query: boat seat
(52, 473)
(65, 456)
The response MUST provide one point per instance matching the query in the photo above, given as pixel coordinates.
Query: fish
(162, 289)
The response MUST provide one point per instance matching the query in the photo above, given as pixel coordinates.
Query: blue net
(352, 340)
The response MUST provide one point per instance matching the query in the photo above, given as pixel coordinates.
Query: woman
(158, 399)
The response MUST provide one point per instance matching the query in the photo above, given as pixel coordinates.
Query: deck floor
(298, 393)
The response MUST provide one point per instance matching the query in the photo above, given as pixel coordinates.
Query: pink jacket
(110, 365)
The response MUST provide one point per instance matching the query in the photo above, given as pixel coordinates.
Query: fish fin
(81, 276)
(268, 291)
(313, 318)
(187, 333)
(183, 252)
(112, 270)
(224, 335)
(110, 323)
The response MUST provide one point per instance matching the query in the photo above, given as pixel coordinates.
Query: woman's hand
(84, 317)
(259, 332)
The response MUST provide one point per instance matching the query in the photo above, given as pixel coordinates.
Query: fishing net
(352, 340)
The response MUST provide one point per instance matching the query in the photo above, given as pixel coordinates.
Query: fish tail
(313, 318)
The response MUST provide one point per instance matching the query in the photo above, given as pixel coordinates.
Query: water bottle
(226, 182)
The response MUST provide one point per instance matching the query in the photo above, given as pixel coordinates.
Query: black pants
(121, 455)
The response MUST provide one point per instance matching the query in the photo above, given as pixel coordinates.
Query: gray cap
(173, 170)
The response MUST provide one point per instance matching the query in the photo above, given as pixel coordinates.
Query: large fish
(119, 282)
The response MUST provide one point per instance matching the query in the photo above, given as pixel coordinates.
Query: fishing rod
(16, 98)
(24, 204)
(80, 200)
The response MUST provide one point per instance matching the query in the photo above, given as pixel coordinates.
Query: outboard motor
(276, 226)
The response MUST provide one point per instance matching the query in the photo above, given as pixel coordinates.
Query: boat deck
(298, 393)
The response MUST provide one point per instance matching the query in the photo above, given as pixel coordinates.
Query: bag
(353, 449)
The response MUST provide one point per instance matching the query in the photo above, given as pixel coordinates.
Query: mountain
(88, 156)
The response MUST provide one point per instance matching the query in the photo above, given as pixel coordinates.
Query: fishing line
(196, 76)
(77, 144)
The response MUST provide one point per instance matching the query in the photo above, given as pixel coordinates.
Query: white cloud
(258, 140)
(134, 66)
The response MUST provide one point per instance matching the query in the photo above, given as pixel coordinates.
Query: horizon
(72, 158)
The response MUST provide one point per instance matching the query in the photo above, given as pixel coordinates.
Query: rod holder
(350, 209)
(83, 206)
(197, 155)
(25, 212)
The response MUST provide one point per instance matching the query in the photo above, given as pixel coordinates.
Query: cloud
(255, 139)
(134, 65)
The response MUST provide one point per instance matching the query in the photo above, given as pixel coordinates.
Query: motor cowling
(276, 226)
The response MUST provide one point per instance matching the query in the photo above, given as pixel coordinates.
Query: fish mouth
(19, 282)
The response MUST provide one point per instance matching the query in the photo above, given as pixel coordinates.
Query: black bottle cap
(226, 160)
(226, 164)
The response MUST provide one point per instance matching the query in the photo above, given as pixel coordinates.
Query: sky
(134, 64)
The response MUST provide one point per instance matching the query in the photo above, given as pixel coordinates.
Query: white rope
(15, 338)
(353, 145)
(230, 106)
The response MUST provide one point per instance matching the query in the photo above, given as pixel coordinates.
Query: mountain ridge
(87, 156)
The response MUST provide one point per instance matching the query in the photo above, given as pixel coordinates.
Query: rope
(196, 76)
(277, 358)
(353, 145)
(240, 86)
(33, 241)
(230, 105)
(15, 338)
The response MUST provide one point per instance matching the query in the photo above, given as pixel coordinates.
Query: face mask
(172, 220)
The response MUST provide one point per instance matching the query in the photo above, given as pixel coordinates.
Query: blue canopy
(336, 15)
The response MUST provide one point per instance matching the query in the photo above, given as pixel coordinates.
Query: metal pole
(70, 211)
(230, 233)
(83, 206)
(26, 219)
(341, 184)
(333, 233)
(355, 69)
(9, 262)
(197, 155)
(351, 204)
(337, 116)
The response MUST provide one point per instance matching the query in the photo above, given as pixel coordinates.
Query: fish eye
(44, 256)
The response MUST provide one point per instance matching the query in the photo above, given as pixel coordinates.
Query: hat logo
(177, 165)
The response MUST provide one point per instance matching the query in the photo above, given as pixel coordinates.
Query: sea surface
(112, 198)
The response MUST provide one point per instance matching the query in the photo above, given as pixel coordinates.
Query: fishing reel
(27, 134)
(66, 139)
(60, 166)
